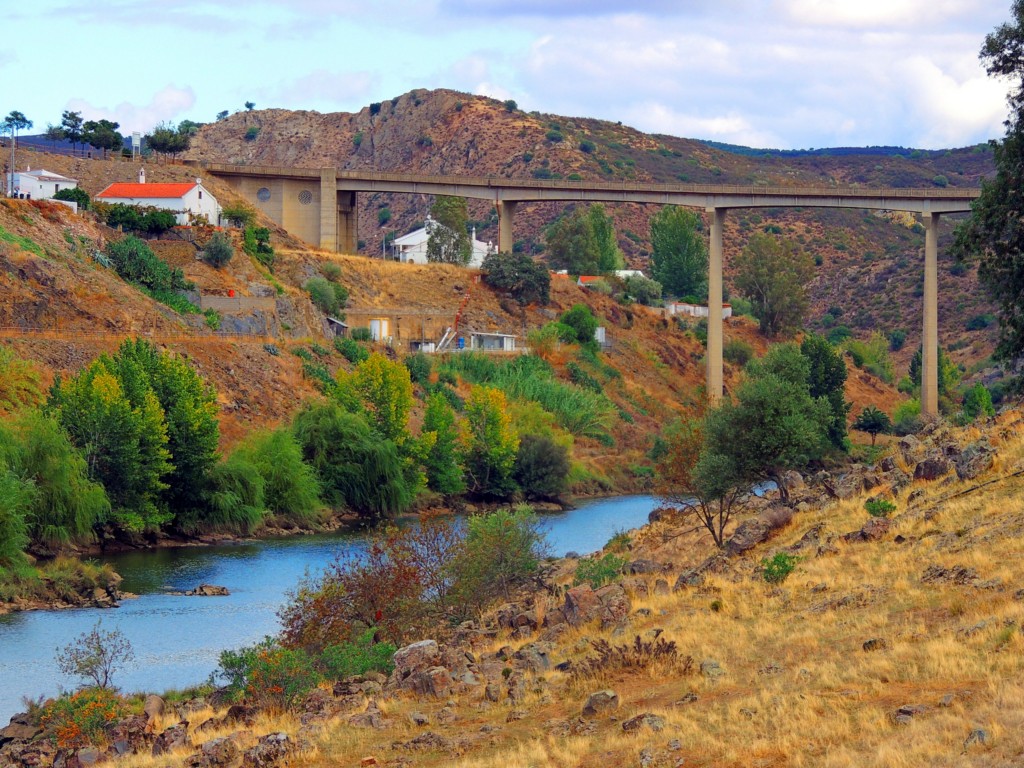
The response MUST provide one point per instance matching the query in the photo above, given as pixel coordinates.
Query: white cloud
(321, 89)
(731, 127)
(167, 104)
(875, 13)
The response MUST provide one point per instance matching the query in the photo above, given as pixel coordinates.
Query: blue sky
(769, 73)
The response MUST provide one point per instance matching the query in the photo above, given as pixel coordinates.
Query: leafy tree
(250, 106)
(978, 402)
(65, 505)
(291, 488)
(572, 244)
(168, 140)
(74, 195)
(240, 214)
(442, 462)
(16, 498)
(582, 322)
(491, 443)
(679, 255)
(385, 390)
(71, 126)
(642, 289)
(19, 382)
(826, 378)
(524, 279)
(357, 468)
(993, 231)
(873, 422)
(103, 135)
(773, 274)
(189, 127)
(328, 297)
(218, 251)
(95, 656)
(54, 133)
(235, 495)
(222, 115)
(448, 241)
(609, 255)
(541, 468)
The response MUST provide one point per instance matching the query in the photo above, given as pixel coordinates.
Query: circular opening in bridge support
(305, 197)
(263, 194)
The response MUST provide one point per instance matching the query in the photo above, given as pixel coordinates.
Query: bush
(358, 657)
(587, 146)
(350, 349)
(239, 214)
(582, 322)
(978, 402)
(661, 654)
(218, 250)
(383, 216)
(776, 569)
(291, 489)
(598, 571)
(331, 270)
(526, 281)
(256, 243)
(897, 338)
(74, 195)
(279, 678)
(879, 507)
(419, 366)
(328, 297)
(907, 417)
(541, 468)
(251, 133)
(642, 289)
(95, 656)
(361, 334)
(135, 262)
(80, 719)
(737, 352)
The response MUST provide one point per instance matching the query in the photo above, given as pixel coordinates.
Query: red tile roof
(141, 191)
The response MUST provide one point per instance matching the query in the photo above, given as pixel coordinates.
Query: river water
(177, 640)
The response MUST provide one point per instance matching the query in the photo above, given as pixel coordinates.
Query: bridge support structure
(714, 372)
(930, 331)
(506, 216)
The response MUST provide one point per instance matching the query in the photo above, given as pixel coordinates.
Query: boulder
(432, 681)
(600, 701)
(19, 729)
(645, 720)
(976, 459)
(83, 757)
(615, 604)
(533, 657)
(932, 468)
(131, 736)
(208, 590)
(172, 738)
(581, 605)
(414, 657)
(873, 530)
(875, 644)
(661, 587)
(644, 565)
(711, 669)
(154, 707)
(370, 718)
(749, 534)
(271, 750)
(215, 753)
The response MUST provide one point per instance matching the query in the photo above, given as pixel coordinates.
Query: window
(200, 194)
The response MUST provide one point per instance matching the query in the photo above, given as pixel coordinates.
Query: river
(177, 640)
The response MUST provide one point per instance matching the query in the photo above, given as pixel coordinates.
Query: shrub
(358, 657)
(874, 422)
(419, 366)
(598, 571)
(331, 270)
(279, 678)
(642, 289)
(907, 417)
(212, 319)
(239, 214)
(361, 334)
(95, 656)
(218, 250)
(897, 338)
(776, 569)
(251, 133)
(581, 378)
(350, 349)
(554, 136)
(541, 468)
(328, 297)
(737, 352)
(587, 146)
(80, 719)
(879, 507)
(980, 322)
(19, 382)
(74, 195)
(383, 216)
(659, 653)
(619, 542)
(978, 402)
(582, 322)
(135, 262)
(256, 243)
(291, 489)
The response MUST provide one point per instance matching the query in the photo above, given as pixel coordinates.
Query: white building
(694, 310)
(412, 248)
(39, 185)
(189, 200)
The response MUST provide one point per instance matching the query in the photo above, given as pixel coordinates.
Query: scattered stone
(935, 574)
(933, 468)
(875, 644)
(172, 738)
(432, 681)
(493, 692)
(976, 459)
(516, 686)
(154, 707)
(534, 657)
(19, 729)
(675, 745)
(414, 658)
(817, 540)
(131, 736)
(215, 753)
(644, 566)
(771, 668)
(688, 698)
(661, 587)
(645, 720)
(271, 750)
(601, 701)
(748, 535)
(711, 669)
(1019, 594)
(947, 700)
(874, 529)
(418, 718)
(446, 716)
(366, 762)
(646, 757)
(748, 713)
(515, 714)
(208, 590)
(905, 714)
(977, 736)
(428, 740)
(370, 718)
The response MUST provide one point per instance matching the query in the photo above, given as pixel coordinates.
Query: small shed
(492, 342)
(338, 328)
(694, 310)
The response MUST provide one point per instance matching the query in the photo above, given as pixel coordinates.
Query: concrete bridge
(319, 206)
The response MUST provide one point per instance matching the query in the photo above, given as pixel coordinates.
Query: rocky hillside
(893, 641)
(870, 264)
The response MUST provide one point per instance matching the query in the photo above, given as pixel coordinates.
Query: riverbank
(63, 583)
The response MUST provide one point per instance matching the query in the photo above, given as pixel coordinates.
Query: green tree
(95, 656)
(642, 289)
(609, 255)
(442, 461)
(168, 140)
(679, 255)
(572, 244)
(873, 422)
(773, 274)
(993, 232)
(541, 468)
(291, 488)
(491, 443)
(448, 241)
(328, 297)
(582, 322)
(19, 382)
(16, 497)
(54, 133)
(826, 378)
(14, 123)
(385, 390)
(103, 135)
(978, 402)
(135, 262)
(949, 374)
(71, 125)
(74, 195)
(235, 496)
(519, 275)
(65, 504)
(218, 251)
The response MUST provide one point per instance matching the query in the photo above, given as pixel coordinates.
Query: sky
(787, 74)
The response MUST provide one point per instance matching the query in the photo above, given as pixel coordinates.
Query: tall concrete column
(506, 213)
(930, 337)
(348, 222)
(714, 356)
(328, 210)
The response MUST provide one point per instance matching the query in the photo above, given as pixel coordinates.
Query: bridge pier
(329, 210)
(348, 222)
(714, 353)
(506, 214)
(930, 335)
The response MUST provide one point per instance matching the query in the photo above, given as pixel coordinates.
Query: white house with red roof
(189, 200)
